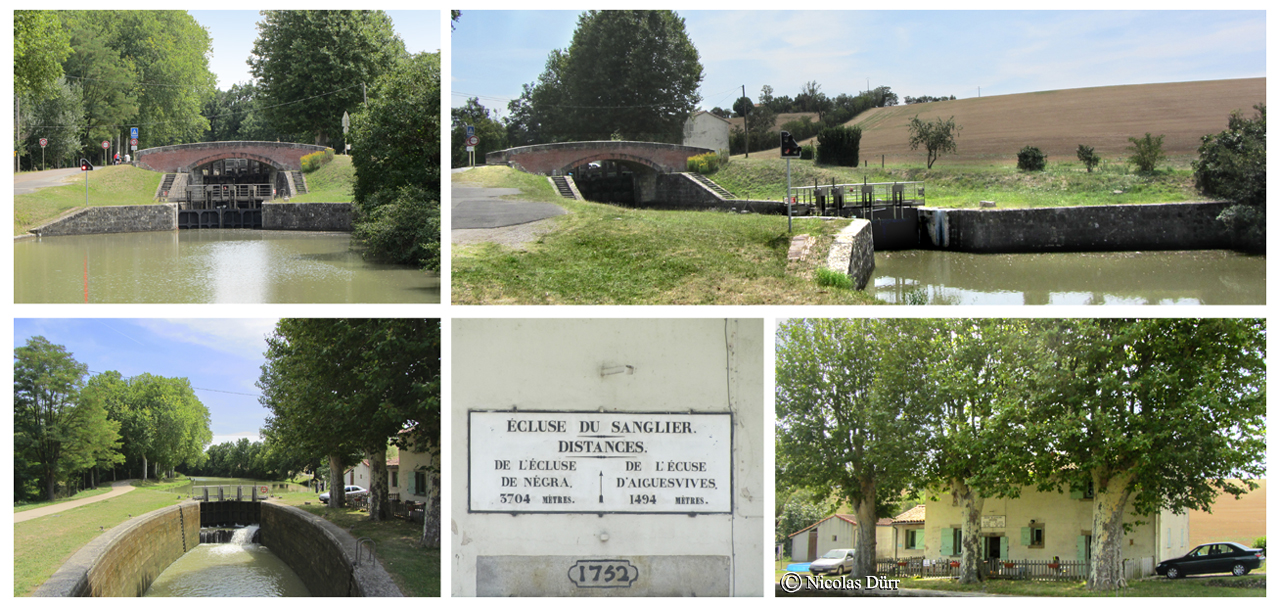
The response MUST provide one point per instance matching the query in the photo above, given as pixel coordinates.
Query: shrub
(1031, 158)
(401, 227)
(1087, 156)
(833, 278)
(1233, 163)
(1260, 543)
(315, 160)
(839, 146)
(1247, 225)
(707, 163)
(808, 152)
(1146, 153)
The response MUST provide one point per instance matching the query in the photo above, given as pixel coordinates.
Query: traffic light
(790, 149)
(85, 165)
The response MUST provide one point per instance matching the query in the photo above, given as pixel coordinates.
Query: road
(117, 488)
(26, 183)
(480, 216)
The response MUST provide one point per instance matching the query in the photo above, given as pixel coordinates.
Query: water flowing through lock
(228, 564)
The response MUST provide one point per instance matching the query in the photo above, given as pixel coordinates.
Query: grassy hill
(993, 129)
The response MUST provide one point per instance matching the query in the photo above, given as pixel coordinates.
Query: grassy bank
(27, 506)
(41, 545)
(115, 185)
(603, 254)
(330, 184)
(415, 570)
(964, 186)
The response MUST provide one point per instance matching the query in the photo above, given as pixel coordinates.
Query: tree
(39, 46)
(491, 131)
(235, 115)
(839, 146)
(629, 74)
(1146, 153)
(397, 164)
(57, 119)
(742, 106)
(46, 385)
(848, 415)
(337, 386)
(937, 137)
(975, 452)
(170, 424)
(311, 67)
(93, 440)
(1153, 414)
(106, 83)
(1233, 166)
(800, 510)
(1088, 157)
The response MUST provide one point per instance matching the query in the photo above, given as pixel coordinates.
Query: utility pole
(746, 132)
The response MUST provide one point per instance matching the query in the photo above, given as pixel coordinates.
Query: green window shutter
(1077, 494)
(947, 537)
(1026, 537)
(1082, 542)
(1004, 547)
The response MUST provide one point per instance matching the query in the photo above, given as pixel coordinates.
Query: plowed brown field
(1237, 520)
(993, 129)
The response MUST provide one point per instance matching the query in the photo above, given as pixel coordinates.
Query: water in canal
(235, 569)
(211, 266)
(1142, 277)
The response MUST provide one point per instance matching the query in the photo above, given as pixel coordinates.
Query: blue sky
(233, 33)
(221, 357)
(913, 52)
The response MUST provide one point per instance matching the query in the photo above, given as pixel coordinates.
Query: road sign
(43, 142)
(134, 142)
(85, 165)
(471, 130)
(106, 144)
(133, 132)
(472, 140)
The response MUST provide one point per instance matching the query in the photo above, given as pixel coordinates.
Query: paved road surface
(117, 488)
(26, 183)
(481, 208)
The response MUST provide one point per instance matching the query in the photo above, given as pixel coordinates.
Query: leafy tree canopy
(39, 46)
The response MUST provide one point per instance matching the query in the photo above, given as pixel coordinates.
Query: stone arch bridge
(607, 171)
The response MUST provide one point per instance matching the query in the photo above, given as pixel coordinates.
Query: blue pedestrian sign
(471, 130)
(133, 132)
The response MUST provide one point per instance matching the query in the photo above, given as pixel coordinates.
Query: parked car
(349, 490)
(1214, 557)
(835, 561)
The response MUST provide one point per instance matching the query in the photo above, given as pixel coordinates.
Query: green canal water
(1143, 277)
(235, 569)
(211, 266)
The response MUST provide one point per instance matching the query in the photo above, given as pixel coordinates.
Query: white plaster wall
(706, 131)
(700, 365)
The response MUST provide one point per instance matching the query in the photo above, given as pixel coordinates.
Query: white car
(835, 561)
(349, 490)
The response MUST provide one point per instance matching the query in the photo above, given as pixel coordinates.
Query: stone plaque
(590, 462)
(560, 576)
(992, 521)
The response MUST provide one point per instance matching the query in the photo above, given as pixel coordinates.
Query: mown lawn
(331, 183)
(965, 186)
(415, 570)
(604, 254)
(27, 506)
(41, 545)
(115, 185)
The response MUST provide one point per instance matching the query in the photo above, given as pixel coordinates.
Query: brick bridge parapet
(558, 159)
(185, 157)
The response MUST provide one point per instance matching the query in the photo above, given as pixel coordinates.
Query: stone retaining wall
(121, 218)
(853, 253)
(321, 554)
(125, 560)
(1094, 228)
(320, 217)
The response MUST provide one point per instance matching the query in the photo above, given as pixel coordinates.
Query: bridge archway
(614, 178)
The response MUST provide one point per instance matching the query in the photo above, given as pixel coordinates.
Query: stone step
(717, 188)
(562, 184)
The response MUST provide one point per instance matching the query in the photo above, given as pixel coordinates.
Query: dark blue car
(1213, 558)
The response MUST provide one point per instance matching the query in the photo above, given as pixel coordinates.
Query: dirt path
(117, 488)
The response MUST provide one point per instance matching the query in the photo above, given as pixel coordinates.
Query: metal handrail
(360, 543)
